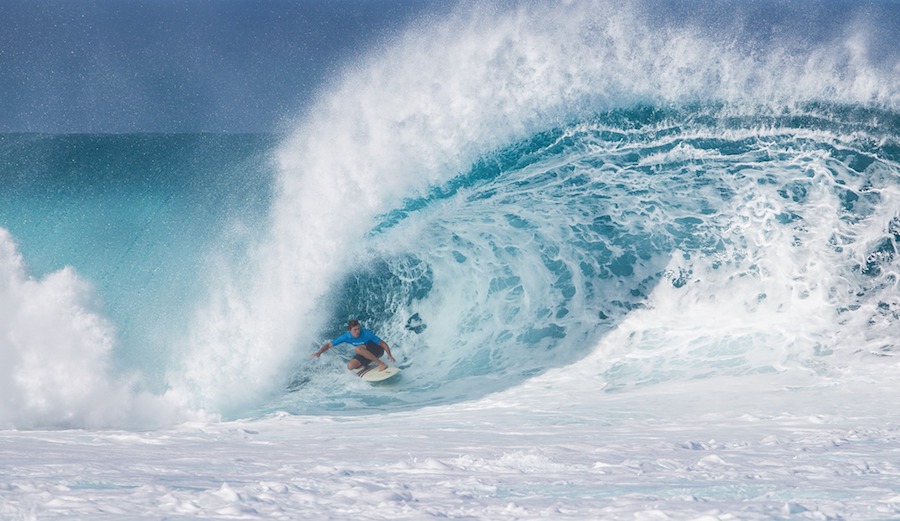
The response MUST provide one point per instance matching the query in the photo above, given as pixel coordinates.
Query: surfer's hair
(353, 323)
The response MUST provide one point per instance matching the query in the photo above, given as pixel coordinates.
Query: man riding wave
(368, 347)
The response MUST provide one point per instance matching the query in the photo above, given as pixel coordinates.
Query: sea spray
(496, 192)
(55, 351)
(379, 135)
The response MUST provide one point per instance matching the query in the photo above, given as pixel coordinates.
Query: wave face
(649, 194)
(747, 245)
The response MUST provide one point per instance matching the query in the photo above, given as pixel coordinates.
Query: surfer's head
(354, 327)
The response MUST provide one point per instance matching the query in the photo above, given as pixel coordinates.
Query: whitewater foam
(56, 348)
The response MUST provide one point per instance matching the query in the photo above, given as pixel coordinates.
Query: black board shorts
(373, 348)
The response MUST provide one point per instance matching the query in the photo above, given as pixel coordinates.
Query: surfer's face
(355, 331)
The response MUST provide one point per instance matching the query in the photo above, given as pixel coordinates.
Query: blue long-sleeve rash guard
(365, 336)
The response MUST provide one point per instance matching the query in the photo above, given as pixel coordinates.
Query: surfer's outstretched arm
(326, 347)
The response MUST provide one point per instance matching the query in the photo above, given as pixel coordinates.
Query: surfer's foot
(382, 366)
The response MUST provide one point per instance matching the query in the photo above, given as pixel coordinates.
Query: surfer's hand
(391, 358)
(315, 355)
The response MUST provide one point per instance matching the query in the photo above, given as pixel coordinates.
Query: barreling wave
(636, 191)
(724, 246)
(496, 191)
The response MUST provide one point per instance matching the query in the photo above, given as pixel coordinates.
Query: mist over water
(501, 191)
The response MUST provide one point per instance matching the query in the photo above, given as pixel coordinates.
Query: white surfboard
(372, 374)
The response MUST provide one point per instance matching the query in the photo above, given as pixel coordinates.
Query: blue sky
(178, 65)
(70, 66)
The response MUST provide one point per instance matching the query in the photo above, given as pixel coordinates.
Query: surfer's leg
(364, 352)
(375, 349)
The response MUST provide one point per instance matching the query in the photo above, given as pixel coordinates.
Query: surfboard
(372, 374)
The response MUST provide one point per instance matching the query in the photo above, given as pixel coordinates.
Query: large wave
(518, 179)
(505, 189)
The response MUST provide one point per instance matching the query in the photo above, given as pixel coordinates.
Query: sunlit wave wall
(494, 191)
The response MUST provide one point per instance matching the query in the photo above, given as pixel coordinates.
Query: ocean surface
(633, 264)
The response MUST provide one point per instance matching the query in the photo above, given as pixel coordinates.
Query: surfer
(369, 347)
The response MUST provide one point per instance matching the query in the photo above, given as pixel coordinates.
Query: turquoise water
(741, 204)
(137, 215)
(521, 263)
